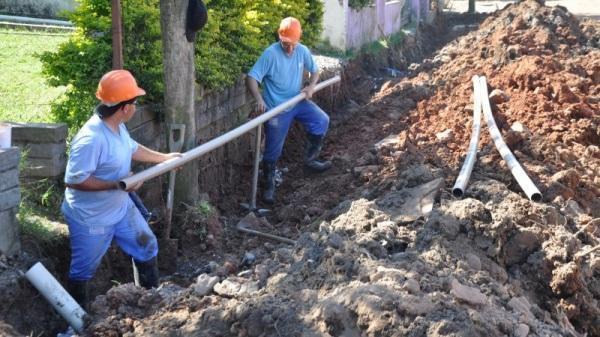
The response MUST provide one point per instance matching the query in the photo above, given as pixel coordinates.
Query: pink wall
(370, 23)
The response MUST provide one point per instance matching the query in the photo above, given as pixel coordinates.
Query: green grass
(24, 94)
(39, 214)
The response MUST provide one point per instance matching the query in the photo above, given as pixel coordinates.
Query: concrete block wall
(44, 147)
(216, 113)
(10, 197)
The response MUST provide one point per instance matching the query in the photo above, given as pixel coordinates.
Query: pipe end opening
(122, 185)
(457, 192)
(537, 197)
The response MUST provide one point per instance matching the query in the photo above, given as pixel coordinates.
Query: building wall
(346, 28)
(334, 23)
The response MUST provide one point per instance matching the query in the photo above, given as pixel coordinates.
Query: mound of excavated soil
(382, 254)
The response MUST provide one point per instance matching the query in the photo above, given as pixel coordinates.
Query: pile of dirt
(384, 249)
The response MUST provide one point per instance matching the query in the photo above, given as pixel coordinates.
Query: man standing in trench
(95, 209)
(280, 70)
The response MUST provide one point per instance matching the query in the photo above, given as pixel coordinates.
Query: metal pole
(256, 163)
(196, 152)
(117, 35)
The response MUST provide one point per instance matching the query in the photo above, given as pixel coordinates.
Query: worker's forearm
(95, 184)
(253, 87)
(144, 154)
(314, 78)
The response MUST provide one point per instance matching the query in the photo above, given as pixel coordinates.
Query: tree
(180, 81)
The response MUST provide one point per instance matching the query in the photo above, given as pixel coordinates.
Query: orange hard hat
(118, 86)
(290, 30)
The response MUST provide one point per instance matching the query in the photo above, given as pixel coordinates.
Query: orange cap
(118, 86)
(290, 30)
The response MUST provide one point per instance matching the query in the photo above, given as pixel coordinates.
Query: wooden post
(180, 89)
(117, 34)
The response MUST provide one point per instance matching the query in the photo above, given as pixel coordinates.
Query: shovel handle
(268, 236)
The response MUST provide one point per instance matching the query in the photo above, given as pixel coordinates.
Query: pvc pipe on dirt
(513, 164)
(54, 293)
(465, 172)
(196, 152)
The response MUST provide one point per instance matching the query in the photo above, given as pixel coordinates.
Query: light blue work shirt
(99, 152)
(281, 74)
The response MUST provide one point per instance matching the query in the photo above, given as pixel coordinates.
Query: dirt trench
(369, 261)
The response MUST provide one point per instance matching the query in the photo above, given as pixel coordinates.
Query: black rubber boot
(269, 181)
(148, 272)
(313, 147)
(80, 291)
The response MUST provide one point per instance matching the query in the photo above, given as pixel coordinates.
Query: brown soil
(490, 264)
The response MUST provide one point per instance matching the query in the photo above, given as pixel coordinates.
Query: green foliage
(238, 31)
(40, 203)
(205, 209)
(359, 4)
(235, 35)
(82, 60)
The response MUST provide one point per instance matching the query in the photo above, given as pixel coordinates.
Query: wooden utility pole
(471, 6)
(117, 35)
(180, 88)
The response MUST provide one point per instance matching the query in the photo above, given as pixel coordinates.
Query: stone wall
(44, 148)
(216, 113)
(10, 196)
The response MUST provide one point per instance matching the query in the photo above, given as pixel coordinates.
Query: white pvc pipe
(465, 172)
(196, 152)
(54, 293)
(513, 164)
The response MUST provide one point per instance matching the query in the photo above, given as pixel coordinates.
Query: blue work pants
(90, 243)
(314, 120)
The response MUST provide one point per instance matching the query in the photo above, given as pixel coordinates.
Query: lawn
(24, 94)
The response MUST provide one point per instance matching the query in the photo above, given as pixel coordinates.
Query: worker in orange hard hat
(95, 209)
(280, 70)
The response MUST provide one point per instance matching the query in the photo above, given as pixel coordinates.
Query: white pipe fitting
(54, 293)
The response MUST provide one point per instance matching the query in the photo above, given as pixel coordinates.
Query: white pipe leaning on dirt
(515, 168)
(196, 152)
(465, 172)
(54, 293)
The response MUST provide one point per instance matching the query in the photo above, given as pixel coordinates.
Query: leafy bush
(236, 33)
(359, 4)
(36, 8)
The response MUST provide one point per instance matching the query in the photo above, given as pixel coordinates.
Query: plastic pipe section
(515, 168)
(465, 172)
(196, 152)
(54, 293)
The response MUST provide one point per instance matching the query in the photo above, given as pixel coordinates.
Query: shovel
(250, 219)
(168, 245)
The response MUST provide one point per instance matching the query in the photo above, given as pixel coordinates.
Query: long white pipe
(465, 172)
(515, 168)
(54, 293)
(196, 152)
